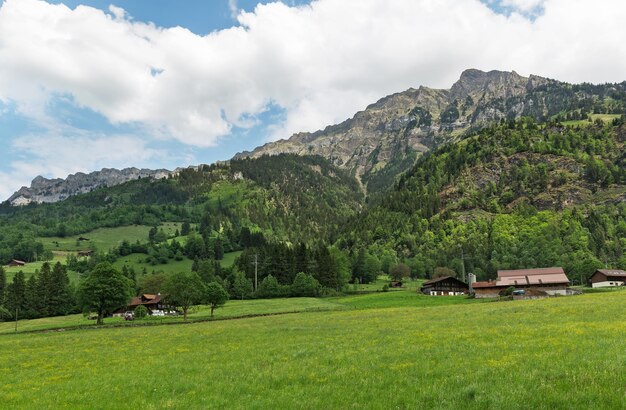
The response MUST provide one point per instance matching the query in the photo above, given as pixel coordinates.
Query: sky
(89, 84)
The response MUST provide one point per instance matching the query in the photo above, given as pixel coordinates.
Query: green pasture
(604, 117)
(138, 262)
(105, 238)
(400, 299)
(382, 280)
(232, 309)
(31, 267)
(559, 353)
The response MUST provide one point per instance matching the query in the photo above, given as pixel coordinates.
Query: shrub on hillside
(305, 285)
(141, 311)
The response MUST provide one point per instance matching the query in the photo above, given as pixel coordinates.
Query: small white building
(604, 278)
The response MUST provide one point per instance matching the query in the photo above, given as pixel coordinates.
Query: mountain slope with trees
(517, 194)
(386, 138)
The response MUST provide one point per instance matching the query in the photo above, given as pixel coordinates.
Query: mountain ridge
(414, 120)
(43, 190)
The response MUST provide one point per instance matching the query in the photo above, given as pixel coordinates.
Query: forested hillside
(284, 198)
(514, 195)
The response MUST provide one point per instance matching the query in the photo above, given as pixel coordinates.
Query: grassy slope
(239, 308)
(553, 353)
(106, 238)
(137, 261)
(30, 268)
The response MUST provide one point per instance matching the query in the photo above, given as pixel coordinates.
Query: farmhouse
(150, 301)
(546, 281)
(445, 286)
(16, 262)
(607, 277)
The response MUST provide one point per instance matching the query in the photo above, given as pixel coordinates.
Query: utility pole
(462, 264)
(256, 271)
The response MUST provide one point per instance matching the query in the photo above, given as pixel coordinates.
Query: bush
(385, 288)
(329, 293)
(141, 311)
(305, 285)
(5, 315)
(270, 288)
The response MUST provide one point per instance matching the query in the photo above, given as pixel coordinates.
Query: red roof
(525, 277)
(485, 284)
(530, 272)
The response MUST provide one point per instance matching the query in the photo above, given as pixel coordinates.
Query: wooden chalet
(150, 301)
(85, 253)
(16, 262)
(544, 281)
(445, 286)
(603, 278)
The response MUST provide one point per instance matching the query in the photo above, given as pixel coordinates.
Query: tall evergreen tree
(3, 285)
(16, 294)
(61, 300)
(326, 270)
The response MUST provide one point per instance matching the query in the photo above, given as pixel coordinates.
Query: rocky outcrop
(54, 190)
(415, 120)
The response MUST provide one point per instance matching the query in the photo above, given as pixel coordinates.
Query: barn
(445, 286)
(603, 278)
(547, 281)
(16, 262)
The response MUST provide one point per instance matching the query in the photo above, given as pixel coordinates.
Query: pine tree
(3, 285)
(60, 300)
(326, 270)
(16, 294)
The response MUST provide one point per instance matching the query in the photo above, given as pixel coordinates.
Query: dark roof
(145, 299)
(612, 272)
(437, 280)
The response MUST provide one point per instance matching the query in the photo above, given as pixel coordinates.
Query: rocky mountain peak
(53, 190)
(381, 139)
(495, 84)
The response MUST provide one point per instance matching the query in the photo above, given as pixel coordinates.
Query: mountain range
(384, 140)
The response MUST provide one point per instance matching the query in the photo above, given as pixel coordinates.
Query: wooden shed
(603, 278)
(16, 262)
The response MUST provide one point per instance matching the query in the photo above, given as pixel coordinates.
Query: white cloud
(321, 62)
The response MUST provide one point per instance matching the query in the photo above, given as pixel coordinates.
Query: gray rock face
(53, 190)
(413, 120)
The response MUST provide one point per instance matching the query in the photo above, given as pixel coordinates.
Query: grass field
(604, 117)
(558, 353)
(233, 309)
(242, 308)
(105, 238)
(137, 261)
(30, 268)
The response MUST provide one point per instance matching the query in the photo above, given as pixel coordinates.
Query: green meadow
(105, 238)
(138, 262)
(357, 352)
